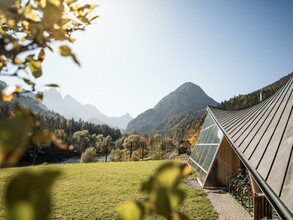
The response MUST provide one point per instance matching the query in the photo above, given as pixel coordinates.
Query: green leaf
(29, 58)
(160, 199)
(35, 67)
(176, 198)
(14, 135)
(23, 211)
(44, 137)
(75, 59)
(131, 211)
(50, 48)
(66, 52)
(179, 216)
(40, 96)
(28, 195)
(52, 85)
(27, 81)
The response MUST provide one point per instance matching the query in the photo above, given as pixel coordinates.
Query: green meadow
(94, 190)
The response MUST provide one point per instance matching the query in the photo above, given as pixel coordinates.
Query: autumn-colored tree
(89, 155)
(134, 142)
(81, 140)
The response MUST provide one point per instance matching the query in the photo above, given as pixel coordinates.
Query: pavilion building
(258, 140)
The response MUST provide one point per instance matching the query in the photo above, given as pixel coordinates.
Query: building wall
(226, 163)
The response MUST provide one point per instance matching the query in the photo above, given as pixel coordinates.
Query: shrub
(135, 156)
(155, 152)
(89, 155)
(118, 155)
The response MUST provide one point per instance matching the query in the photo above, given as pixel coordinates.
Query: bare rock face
(188, 99)
(69, 107)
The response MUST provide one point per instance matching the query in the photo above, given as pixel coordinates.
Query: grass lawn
(93, 191)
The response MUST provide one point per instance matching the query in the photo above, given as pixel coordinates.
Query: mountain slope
(26, 100)
(245, 101)
(191, 130)
(71, 108)
(173, 107)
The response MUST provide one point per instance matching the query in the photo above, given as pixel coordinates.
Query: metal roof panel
(262, 136)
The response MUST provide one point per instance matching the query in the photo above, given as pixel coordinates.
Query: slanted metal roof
(262, 136)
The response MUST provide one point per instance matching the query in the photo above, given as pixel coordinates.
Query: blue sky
(138, 51)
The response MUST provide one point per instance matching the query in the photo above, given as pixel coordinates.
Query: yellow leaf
(39, 96)
(93, 18)
(72, 40)
(7, 98)
(93, 6)
(11, 23)
(65, 51)
(35, 67)
(32, 16)
(186, 170)
(56, 27)
(55, 2)
(41, 56)
(18, 89)
(17, 61)
(25, 25)
(64, 27)
(7, 93)
(10, 90)
(43, 3)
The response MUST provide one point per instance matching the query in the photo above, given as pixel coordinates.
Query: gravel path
(226, 207)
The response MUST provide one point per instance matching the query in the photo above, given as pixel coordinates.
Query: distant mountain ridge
(26, 99)
(71, 108)
(180, 106)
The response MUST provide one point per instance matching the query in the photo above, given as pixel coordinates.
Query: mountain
(26, 99)
(71, 108)
(190, 131)
(179, 107)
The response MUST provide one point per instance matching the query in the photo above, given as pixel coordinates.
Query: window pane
(206, 147)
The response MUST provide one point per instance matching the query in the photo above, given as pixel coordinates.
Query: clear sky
(138, 51)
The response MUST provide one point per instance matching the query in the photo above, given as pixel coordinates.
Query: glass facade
(205, 148)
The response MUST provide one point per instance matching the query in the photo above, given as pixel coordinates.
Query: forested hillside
(244, 101)
(191, 130)
(64, 129)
